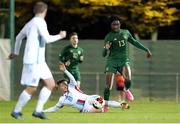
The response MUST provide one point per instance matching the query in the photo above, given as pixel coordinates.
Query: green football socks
(127, 84)
(106, 94)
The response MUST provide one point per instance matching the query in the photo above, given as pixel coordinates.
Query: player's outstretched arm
(70, 76)
(62, 67)
(149, 54)
(104, 53)
(44, 33)
(12, 56)
(137, 44)
(57, 106)
(106, 48)
(81, 58)
(62, 34)
(17, 46)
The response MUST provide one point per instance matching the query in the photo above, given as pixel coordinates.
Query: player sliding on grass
(116, 48)
(73, 96)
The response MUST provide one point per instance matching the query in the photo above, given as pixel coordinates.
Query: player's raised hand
(81, 58)
(107, 45)
(62, 67)
(149, 54)
(67, 63)
(12, 56)
(62, 34)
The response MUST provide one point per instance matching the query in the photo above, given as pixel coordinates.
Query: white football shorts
(32, 73)
(88, 104)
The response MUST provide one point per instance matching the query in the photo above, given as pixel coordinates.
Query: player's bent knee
(50, 83)
(31, 90)
(51, 87)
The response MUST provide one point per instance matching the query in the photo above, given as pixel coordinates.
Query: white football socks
(22, 101)
(43, 97)
(113, 104)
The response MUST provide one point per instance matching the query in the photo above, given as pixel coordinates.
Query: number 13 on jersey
(121, 43)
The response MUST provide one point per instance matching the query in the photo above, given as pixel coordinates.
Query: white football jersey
(37, 35)
(74, 96)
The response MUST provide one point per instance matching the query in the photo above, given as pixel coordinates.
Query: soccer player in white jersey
(73, 96)
(34, 65)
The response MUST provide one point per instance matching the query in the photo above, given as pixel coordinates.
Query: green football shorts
(114, 66)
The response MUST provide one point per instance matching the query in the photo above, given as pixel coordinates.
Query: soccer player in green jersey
(71, 56)
(116, 50)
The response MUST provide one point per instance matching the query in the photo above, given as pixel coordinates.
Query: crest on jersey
(115, 38)
(125, 37)
(79, 52)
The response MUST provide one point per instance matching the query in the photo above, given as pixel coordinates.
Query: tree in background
(4, 18)
(144, 17)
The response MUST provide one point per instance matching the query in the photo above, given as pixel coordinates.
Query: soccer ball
(98, 103)
(120, 82)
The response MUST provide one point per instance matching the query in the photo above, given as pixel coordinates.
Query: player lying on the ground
(73, 96)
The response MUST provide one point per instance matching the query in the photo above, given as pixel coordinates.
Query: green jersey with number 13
(119, 46)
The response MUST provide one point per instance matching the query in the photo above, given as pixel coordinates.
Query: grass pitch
(140, 112)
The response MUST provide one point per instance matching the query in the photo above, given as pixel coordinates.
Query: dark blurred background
(145, 19)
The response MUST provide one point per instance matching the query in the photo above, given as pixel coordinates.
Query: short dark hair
(72, 34)
(61, 81)
(114, 18)
(40, 7)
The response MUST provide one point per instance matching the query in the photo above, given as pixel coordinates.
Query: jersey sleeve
(107, 39)
(42, 27)
(136, 42)
(105, 51)
(62, 56)
(81, 55)
(19, 39)
(57, 106)
(82, 52)
(71, 78)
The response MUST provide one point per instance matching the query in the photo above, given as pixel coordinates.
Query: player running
(71, 56)
(73, 96)
(34, 65)
(116, 48)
